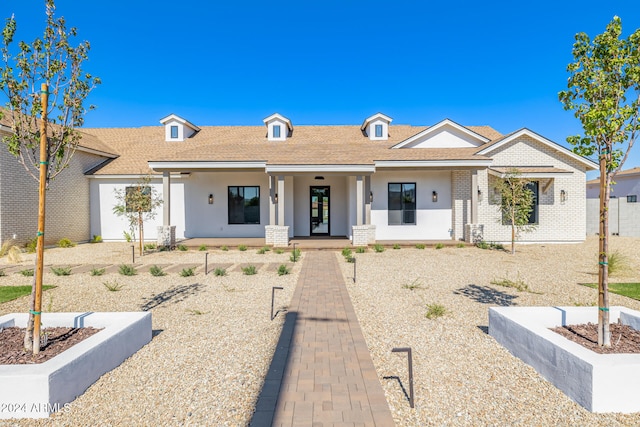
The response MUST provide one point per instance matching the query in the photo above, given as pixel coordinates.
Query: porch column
(281, 200)
(359, 199)
(272, 204)
(166, 197)
(367, 199)
(474, 196)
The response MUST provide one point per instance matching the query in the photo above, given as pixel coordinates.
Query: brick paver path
(322, 373)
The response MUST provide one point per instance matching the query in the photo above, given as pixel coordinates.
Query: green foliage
(61, 271)
(249, 270)
(156, 271)
(96, 239)
(266, 248)
(261, 251)
(435, 310)
(378, 248)
(439, 246)
(224, 248)
(112, 285)
(279, 251)
(346, 252)
(283, 270)
(618, 264)
(182, 248)
(127, 270)
(27, 272)
(487, 245)
(8, 293)
(413, 285)
(31, 245)
(361, 249)
(2, 273)
(420, 246)
(65, 243)
(128, 237)
(97, 271)
(202, 248)
(460, 245)
(630, 290)
(396, 246)
(242, 248)
(295, 255)
(150, 246)
(187, 272)
(220, 272)
(517, 284)
(515, 203)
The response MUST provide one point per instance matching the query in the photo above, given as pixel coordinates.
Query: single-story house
(625, 184)
(371, 182)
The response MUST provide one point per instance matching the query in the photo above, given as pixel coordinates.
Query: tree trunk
(141, 231)
(28, 333)
(604, 334)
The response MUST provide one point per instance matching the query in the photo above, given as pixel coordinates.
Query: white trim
(537, 175)
(320, 168)
(526, 132)
(431, 163)
(276, 116)
(445, 122)
(374, 117)
(179, 119)
(138, 176)
(160, 165)
(97, 152)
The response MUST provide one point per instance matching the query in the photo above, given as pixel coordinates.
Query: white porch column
(281, 200)
(474, 197)
(359, 200)
(166, 198)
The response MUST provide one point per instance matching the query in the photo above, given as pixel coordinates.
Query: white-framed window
(174, 132)
(276, 131)
(378, 131)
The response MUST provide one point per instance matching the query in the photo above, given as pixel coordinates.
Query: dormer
(177, 129)
(376, 127)
(278, 127)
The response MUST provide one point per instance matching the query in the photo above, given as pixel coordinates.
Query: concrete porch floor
(309, 243)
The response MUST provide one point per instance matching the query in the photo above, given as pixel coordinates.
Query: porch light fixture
(479, 194)
(563, 196)
(210, 199)
(370, 196)
(434, 196)
(275, 198)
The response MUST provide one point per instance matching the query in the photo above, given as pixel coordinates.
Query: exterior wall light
(275, 198)
(210, 199)
(434, 196)
(479, 194)
(563, 196)
(370, 196)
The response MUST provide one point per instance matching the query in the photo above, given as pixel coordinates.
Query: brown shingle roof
(631, 171)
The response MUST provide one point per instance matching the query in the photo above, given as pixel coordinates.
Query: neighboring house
(625, 184)
(374, 182)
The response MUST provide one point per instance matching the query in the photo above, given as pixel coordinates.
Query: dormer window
(279, 128)
(174, 132)
(178, 129)
(376, 127)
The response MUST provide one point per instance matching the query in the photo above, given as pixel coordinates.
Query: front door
(320, 211)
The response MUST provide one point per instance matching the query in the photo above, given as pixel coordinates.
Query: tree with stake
(604, 93)
(138, 204)
(516, 204)
(43, 146)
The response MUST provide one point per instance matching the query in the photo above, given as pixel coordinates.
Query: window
(276, 131)
(632, 199)
(402, 203)
(244, 205)
(138, 197)
(174, 132)
(533, 215)
(378, 131)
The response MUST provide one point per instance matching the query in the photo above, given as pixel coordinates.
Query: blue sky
(497, 63)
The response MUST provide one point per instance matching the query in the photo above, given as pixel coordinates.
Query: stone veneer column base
(276, 235)
(363, 235)
(473, 233)
(166, 236)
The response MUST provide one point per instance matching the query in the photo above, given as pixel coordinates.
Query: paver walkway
(322, 373)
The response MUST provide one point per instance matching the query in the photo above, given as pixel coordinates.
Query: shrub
(224, 248)
(378, 248)
(182, 248)
(261, 251)
(96, 239)
(112, 286)
(156, 271)
(396, 246)
(2, 273)
(31, 245)
(61, 271)
(482, 245)
(283, 270)
(14, 255)
(242, 248)
(508, 283)
(202, 248)
(249, 270)
(279, 251)
(361, 249)
(65, 243)
(127, 236)
(350, 259)
(97, 271)
(420, 246)
(346, 252)
(435, 310)
(27, 272)
(220, 272)
(186, 272)
(413, 285)
(295, 255)
(618, 263)
(150, 246)
(266, 248)
(439, 246)
(127, 270)
(460, 245)
(4, 249)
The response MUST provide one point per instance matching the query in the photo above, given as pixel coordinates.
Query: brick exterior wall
(276, 235)
(67, 209)
(557, 221)
(461, 200)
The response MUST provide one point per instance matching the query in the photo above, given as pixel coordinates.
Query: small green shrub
(27, 272)
(127, 270)
(482, 244)
(97, 271)
(127, 236)
(65, 243)
(413, 285)
(182, 248)
(96, 239)
(187, 272)
(113, 285)
(295, 255)
(435, 310)
(150, 246)
(157, 271)
(518, 284)
(2, 273)
(249, 270)
(346, 252)
(420, 246)
(242, 248)
(164, 248)
(266, 248)
(224, 248)
(460, 245)
(261, 251)
(361, 249)
(396, 246)
(439, 246)
(61, 271)
(283, 270)
(498, 246)
(378, 248)
(279, 251)
(202, 248)
(220, 272)
(31, 245)
(350, 259)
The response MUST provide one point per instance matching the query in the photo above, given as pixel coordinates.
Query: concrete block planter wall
(598, 382)
(36, 391)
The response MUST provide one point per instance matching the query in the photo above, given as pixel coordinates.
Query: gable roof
(444, 123)
(628, 173)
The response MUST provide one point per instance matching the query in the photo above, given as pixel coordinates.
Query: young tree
(516, 204)
(45, 145)
(604, 93)
(138, 204)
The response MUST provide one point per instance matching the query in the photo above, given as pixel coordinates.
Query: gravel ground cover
(461, 375)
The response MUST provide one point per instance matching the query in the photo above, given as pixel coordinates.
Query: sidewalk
(322, 373)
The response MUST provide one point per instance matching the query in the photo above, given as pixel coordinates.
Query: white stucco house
(370, 182)
(626, 184)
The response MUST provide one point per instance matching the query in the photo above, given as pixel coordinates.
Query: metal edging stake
(410, 360)
(294, 252)
(133, 254)
(354, 269)
(273, 294)
(206, 263)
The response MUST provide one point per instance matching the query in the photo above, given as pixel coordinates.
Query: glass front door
(320, 211)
